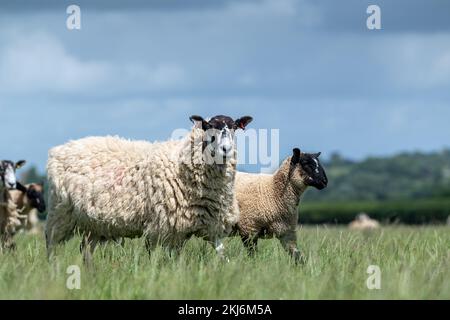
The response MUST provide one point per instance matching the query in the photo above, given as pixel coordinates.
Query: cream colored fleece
(268, 205)
(110, 187)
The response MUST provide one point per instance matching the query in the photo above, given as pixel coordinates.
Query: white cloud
(416, 61)
(39, 63)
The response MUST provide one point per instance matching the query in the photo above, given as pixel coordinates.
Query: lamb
(364, 223)
(9, 217)
(109, 188)
(268, 203)
(29, 200)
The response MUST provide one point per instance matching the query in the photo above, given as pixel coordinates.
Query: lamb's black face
(219, 138)
(36, 196)
(312, 171)
(8, 173)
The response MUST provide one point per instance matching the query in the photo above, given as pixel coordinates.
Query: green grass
(414, 261)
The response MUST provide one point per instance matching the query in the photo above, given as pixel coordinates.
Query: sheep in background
(29, 200)
(109, 188)
(10, 219)
(363, 222)
(268, 203)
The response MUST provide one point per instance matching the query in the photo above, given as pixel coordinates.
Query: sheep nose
(10, 185)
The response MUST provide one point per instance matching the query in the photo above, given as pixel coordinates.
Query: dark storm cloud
(43, 5)
(348, 15)
(396, 16)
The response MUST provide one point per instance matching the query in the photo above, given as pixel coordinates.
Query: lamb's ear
(199, 122)
(242, 122)
(21, 187)
(295, 156)
(20, 164)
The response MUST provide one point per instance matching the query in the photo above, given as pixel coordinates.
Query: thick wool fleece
(109, 187)
(268, 206)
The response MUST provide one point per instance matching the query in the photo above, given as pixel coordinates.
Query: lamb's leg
(251, 243)
(289, 242)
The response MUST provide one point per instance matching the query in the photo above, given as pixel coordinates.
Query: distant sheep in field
(29, 200)
(10, 219)
(108, 188)
(268, 204)
(363, 222)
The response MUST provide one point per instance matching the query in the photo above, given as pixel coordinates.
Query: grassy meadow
(414, 264)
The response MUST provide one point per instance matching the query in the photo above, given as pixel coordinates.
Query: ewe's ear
(199, 122)
(295, 156)
(241, 123)
(20, 164)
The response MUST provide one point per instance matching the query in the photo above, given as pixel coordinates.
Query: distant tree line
(401, 177)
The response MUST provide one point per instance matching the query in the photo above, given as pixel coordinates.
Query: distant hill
(403, 176)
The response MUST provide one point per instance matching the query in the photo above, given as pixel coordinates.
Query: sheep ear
(20, 164)
(242, 122)
(21, 187)
(295, 156)
(199, 122)
(316, 155)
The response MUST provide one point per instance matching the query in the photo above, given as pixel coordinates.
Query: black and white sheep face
(310, 170)
(8, 173)
(35, 193)
(219, 142)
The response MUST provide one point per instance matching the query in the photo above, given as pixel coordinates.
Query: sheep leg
(87, 248)
(7, 242)
(59, 226)
(150, 244)
(289, 242)
(251, 243)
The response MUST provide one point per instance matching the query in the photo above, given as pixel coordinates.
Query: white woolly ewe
(108, 187)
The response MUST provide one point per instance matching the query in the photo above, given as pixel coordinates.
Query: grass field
(414, 263)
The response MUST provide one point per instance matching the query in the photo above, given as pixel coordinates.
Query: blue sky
(139, 69)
